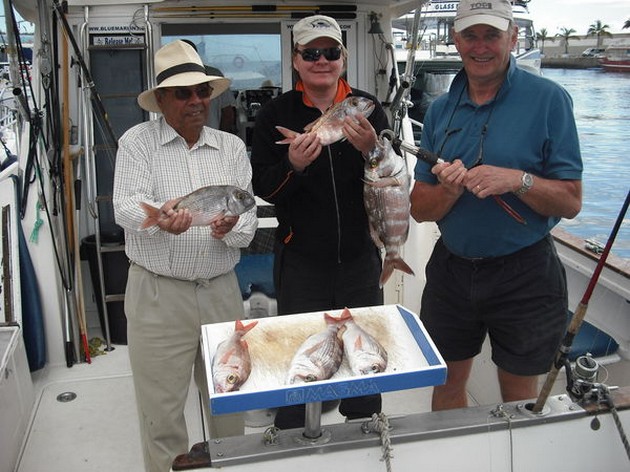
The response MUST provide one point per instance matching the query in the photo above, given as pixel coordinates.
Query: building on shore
(555, 48)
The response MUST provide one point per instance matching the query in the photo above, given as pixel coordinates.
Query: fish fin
(331, 320)
(390, 265)
(315, 125)
(153, 214)
(218, 216)
(345, 315)
(312, 349)
(226, 356)
(311, 125)
(239, 326)
(384, 182)
(288, 134)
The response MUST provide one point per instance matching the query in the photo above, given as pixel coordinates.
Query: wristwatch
(527, 181)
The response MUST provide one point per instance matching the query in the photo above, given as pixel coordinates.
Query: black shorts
(520, 300)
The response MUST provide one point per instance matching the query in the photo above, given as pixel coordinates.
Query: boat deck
(100, 428)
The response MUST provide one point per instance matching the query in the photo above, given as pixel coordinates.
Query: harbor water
(602, 112)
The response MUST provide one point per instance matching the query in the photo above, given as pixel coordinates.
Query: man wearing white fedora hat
(180, 277)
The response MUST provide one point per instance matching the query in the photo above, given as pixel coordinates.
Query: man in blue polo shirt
(513, 170)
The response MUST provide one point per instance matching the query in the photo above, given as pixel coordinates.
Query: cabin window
(248, 54)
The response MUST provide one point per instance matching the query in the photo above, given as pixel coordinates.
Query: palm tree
(566, 34)
(599, 30)
(542, 37)
(626, 24)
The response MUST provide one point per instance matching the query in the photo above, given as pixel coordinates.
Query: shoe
(197, 458)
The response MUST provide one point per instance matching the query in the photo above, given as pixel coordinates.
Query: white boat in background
(616, 58)
(62, 410)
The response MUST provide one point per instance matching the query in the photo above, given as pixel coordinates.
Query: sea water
(602, 112)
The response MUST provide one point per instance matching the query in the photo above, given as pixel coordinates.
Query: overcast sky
(579, 14)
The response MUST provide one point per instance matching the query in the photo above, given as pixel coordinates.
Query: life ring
(238, 62)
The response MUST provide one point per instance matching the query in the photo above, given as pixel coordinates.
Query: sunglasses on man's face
(313, 54)
(185, 93)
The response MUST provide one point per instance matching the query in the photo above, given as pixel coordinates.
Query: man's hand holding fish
(303, 150)
(223, 226)
(180, 220)
(174, 221)
(360, 133)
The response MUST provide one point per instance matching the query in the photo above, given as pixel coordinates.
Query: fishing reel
(582, 382)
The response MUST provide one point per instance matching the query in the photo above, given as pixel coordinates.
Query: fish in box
(412, 359)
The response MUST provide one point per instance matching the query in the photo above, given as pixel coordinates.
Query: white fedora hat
(178, 65)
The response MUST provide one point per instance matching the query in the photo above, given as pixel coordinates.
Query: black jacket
(320, 211)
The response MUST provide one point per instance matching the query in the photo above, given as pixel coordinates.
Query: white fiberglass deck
(99, 429)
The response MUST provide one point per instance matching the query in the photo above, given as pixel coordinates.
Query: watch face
(528, 180)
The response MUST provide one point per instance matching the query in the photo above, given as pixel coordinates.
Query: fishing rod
(94, 95)
(432, 159)
(576, 321)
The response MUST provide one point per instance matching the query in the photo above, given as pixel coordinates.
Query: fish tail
(288, 134)
(389, 266)
(153, 214)
(345, 315)
(239, 326)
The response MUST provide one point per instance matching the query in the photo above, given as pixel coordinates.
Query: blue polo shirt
(529, 125)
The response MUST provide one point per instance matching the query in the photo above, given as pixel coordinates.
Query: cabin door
(117, 64)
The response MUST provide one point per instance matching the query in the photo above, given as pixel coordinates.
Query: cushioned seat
(255, 274)
(592, 340)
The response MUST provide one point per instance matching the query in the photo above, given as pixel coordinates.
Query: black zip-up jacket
(320, 211)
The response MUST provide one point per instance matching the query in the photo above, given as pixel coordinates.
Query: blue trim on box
(235, 402)
(420, 336)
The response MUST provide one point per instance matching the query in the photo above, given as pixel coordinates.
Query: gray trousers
(164, 318)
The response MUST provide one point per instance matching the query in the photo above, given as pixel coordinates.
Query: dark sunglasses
(185, 93)
(313, 54)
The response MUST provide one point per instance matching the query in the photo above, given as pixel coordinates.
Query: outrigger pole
(576, 321)
(399, 104)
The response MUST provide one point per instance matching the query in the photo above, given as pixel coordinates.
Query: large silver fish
(329, 126)
(231, 364)
(206, 205)
(364, 353)
(386, 199)
(319, 356)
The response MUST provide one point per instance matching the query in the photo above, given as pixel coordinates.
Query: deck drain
(66, 397)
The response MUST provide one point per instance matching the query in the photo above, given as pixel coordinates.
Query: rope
(617, 420)
(380, 424)
(270, 436)
(500, 412)
(38, 223)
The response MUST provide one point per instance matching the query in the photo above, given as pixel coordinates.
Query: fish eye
(373, 162)
(310, 378)
(376, 368)
(232, 379)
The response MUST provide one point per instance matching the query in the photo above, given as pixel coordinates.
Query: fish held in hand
(319, 356)
(387, 204)
(329, 126)
(206, 205)
(364, 353)
(231, 364)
